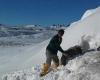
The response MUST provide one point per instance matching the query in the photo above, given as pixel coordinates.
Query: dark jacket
(54, 45)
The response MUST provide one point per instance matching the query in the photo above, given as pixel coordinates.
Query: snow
(89, 13)
(30, 26)
(19, 57)
(86, 67)
(88, 27)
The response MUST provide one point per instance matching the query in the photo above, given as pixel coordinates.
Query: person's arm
(60, 49)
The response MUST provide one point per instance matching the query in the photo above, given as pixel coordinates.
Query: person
(71, 53)
(52, 50)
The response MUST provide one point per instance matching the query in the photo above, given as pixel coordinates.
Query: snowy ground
(86, 67)
(16, 52)
(17, 58)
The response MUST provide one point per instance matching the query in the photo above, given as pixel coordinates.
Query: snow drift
(86, 67)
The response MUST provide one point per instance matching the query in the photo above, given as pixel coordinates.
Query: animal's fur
(70, 54)
(98, 49)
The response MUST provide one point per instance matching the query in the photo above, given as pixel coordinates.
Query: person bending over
(52, 50)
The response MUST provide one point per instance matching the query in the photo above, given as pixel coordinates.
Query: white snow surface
(89, 13)
(26, 64)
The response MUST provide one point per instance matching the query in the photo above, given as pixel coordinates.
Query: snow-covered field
(26, 64)
(16, 52)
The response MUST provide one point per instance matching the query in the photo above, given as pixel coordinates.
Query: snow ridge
(90, 12)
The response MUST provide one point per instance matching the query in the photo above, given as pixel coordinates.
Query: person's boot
(44, 69)
(54, 66)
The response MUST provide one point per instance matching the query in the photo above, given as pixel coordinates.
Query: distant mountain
(24, 34)
(26, 29)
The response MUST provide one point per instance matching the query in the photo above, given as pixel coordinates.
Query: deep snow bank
(89, 13)
(90, 27)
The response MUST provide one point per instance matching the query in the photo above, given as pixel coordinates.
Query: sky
(43, 12)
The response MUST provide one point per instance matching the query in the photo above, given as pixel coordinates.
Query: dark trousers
(51, 57)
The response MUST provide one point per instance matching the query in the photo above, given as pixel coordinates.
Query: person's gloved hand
(65, 54)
